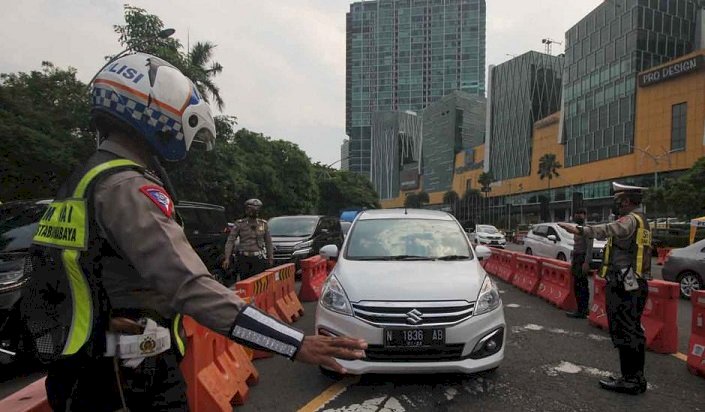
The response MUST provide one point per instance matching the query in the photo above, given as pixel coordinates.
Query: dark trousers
(624, 310)
(580, 284)
(82, 384)
(247, 266)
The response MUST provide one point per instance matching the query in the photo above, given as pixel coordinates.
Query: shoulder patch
(160, 198)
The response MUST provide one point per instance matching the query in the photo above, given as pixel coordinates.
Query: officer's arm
(158, 249)
(622, 228)
(230, 243)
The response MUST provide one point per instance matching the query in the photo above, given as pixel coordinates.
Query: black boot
(622, 385)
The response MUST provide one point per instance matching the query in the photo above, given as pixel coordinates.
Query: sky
(284, 60)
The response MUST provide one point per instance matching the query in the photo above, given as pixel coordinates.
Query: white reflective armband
(257, 330)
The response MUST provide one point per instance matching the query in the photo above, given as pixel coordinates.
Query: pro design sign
(671, 71)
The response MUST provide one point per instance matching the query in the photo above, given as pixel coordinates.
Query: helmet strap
(164, 176)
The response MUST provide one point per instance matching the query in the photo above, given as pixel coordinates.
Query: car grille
(413, 313)
(378, 353)
(283, 252)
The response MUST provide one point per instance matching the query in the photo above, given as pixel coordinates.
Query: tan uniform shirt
(254, 237)
(622, 232)
(159, 270)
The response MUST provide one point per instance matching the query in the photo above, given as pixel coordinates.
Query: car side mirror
(552, 238)
(329, 252)
(483, 252)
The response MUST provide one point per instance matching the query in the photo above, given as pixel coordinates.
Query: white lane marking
(512, 305)
(558, 331)
(373, 405)
(573, 369)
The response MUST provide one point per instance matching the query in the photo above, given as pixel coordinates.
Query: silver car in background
(409, 282)
(686, 266)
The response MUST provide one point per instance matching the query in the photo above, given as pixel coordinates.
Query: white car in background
(551, 241)
(410, 284)
(488, 235)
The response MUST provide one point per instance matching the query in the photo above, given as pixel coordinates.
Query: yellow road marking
(680, 356)
(327, 395)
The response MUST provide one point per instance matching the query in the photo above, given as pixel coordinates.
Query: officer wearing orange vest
(112, 268)
(626, 266)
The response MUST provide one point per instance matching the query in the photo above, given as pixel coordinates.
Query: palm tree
(201, 69)
(548, 168)
(412, 201)
(485, 180)
(423, 198)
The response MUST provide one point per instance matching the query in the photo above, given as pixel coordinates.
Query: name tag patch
(63, 225)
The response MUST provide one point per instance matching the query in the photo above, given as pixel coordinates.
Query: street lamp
(163, 34)
(656, 159)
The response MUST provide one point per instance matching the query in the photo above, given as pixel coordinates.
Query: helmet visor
(205, 136)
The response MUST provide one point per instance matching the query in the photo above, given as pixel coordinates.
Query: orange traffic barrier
(286, 302)
(506, 266)
(660, 318)
(527, 273)
(31, 398)
(217, 371)
(598, 309)
(330, 264)
(556, 284)
(491, 264)
(259, 290)
(663, 253)
(314, 275)
(696, 346)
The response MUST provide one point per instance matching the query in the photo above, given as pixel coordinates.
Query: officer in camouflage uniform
(254, 253)
(626, 266)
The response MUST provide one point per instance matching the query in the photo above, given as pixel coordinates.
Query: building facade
(452, 125)
(405, 54)
(604, 53)
(522, 90)
(345, 155)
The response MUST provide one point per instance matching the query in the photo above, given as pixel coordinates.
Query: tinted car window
(18, 224)
(541, 230)
(382, 238)
(202, 220)
(552, 231)
(293, 226)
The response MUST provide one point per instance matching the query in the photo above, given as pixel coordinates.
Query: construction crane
(548, 42)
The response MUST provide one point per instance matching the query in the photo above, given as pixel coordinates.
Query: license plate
(414, 337)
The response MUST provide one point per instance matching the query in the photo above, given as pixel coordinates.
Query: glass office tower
(523, 90)
(404, 54)
(604, 53)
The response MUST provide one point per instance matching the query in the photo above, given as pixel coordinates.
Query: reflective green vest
(641, 262)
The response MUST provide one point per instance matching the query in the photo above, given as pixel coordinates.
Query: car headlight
(334, 298)
(304, 245)
(488, 299)
(11, 276)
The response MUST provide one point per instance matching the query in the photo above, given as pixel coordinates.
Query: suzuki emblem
(414, 317)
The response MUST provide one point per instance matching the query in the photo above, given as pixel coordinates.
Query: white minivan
(550, 240)
(409, 282)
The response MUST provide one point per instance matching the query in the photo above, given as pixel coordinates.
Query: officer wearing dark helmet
(626, 266)
(111, 268)
(254, 252)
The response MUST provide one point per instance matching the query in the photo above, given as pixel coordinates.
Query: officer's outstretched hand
(320, 350)
(569, 228)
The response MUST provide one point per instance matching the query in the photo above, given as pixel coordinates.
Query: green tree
(656, 202)
(423, 198)
(451, 198)
(339, 190)
(686, 194)
(485, 180)
(412, 201)
(44, 131)
(548, 169)
(201, 69)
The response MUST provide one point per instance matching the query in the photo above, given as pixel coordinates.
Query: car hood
(289, 241)
(410, 280)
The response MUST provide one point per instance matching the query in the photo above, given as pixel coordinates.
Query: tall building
(345, 155)
(604, 53)
(454, 124)
(405, 54)
(521, 91)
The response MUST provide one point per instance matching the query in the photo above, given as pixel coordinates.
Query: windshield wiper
(453, 257)
(408, 257)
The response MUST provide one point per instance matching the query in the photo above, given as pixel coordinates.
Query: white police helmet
(156, 100)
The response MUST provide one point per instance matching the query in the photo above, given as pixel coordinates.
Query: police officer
(580, 267)
(626, 266)
(254, 252)
(113, 268)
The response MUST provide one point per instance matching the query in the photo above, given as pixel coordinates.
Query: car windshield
(18, 223)
(487, 229)
(292, 226)
(407, 239)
